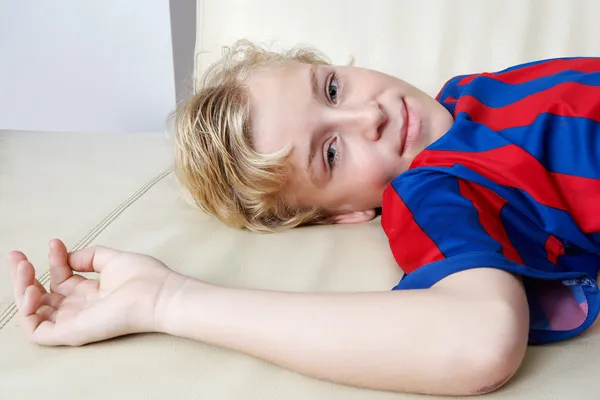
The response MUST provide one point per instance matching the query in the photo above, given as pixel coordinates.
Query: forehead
(280, 95)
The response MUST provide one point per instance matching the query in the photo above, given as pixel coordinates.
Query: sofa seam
(11, 310)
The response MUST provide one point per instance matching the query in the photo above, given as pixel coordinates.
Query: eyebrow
(312, 149)
(314, 81)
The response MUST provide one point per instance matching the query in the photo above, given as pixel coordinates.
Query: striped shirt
(515, 185)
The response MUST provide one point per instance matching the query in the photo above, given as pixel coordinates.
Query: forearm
(417, 341)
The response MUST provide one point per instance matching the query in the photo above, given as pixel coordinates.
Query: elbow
(496, 354)
(494, 369)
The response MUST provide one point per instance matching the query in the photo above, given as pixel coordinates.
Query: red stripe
(569, 99)
(489, 205)
(539, 70)
(554, 248)
(513, 167)
(410, 245)
(582, 196)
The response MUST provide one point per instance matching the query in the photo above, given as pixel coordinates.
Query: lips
(411, 127)
(404, 128)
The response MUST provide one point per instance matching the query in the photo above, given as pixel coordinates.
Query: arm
(466, 335)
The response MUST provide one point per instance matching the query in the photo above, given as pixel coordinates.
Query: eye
(331, 154)
(332, 88)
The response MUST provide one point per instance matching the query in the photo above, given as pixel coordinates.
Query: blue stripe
(565, 145)
(527, 239)
(469, 137)
(451, 88)
(595, 237)
(447, 217)
(551, 220)
(496, 94)
(531, 63)
(527, 64)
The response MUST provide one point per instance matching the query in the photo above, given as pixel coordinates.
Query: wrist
(168, 295)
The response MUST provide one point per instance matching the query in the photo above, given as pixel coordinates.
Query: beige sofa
(118, 190)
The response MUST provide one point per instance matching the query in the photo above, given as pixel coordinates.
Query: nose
(366, 119)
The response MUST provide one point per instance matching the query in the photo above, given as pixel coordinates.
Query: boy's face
(352, 130)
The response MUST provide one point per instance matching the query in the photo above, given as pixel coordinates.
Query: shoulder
(521, 73)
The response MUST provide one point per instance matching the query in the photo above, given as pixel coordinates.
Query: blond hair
(215, 162)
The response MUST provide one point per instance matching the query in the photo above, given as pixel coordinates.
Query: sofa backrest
(424, 42)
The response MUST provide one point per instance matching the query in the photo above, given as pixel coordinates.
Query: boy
(487, 195)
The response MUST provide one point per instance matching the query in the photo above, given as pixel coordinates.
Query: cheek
(373, 183)
(373, 177)
(372, 167)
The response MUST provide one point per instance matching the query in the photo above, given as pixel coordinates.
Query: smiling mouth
(404, 128)
(411, 127)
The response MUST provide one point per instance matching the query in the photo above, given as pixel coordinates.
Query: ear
(354, 217)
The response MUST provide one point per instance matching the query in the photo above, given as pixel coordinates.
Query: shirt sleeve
(438, 224)
(435, 229)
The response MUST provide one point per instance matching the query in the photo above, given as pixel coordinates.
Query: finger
(14, 257)
(58, 259)
(39, 328)
(29, 324)
(24, 277)
(37, 284)
(91, 259)
(53, 300)
(30, 301)
(27, 311)
(44, 333)
(62, 279)
(47, 313)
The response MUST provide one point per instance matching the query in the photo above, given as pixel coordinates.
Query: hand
(77, 310)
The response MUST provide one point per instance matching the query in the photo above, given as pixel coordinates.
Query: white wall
(93, 65)
(183, 37)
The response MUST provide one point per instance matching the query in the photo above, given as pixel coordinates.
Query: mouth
(411, 127)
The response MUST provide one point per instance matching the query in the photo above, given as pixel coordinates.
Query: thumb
(91, 259)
